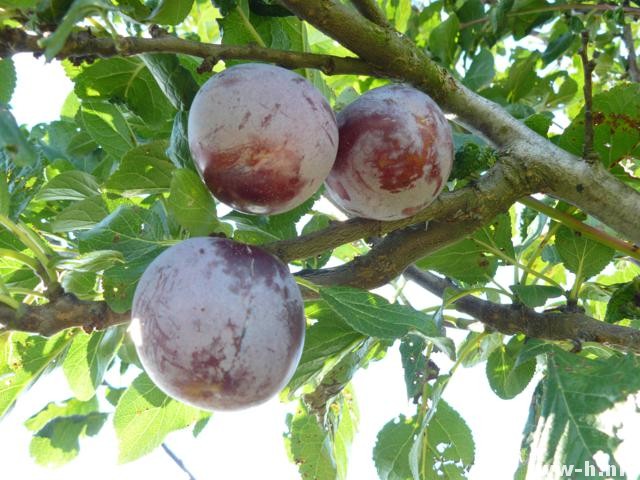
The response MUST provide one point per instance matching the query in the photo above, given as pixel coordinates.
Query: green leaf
(481, 345)
(624, 302)
(71, 406)
(170, 12)
(536, 295)
(310, 446)
(175, 81)
(7, 80)
(79, 10)
(125, 79)
(442, 40)
(580, 255)
(23, 358)
(481, 71)
(70, 185)
(464, 260)
(539, 122)
(145, 169)
(178, 150)
(13, 142)
(414, 364)
(372, 315)
(325, 343)
(5, 196)
(58, 428)
(120, 282)
(444, 448)
(131, 230)
(107, 126)
(616, 115)
(81, 215)
(58, 442)
(575, 394)
(557, 47)
(507, 375)
(94, 261)
(88, 358)
(522, 77)
(191, 203)
(145, 416)
(393, 446)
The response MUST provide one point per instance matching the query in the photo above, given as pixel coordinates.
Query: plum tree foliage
(532, 245)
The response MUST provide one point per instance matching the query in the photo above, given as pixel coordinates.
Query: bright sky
(248, 444)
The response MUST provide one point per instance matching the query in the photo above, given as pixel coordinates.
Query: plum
(394, 156)
(218, 324)
(262, 137)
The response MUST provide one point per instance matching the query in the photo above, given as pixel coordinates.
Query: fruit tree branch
(83, 44)
(590, 187)
(632, 63)
(63, 312)
(370, 9)
(512, 319)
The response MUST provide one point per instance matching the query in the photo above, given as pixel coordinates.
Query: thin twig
(632, 64)
(509, 319)
(579, 7)
(14, 40)
(371, 11)
(588, 66)
(177, 461)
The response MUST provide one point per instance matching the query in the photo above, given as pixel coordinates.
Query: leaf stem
(588, 66)
(247, 24)
(588, 231)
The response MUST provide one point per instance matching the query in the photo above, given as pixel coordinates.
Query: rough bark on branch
(14, 40)
(63, 312)
(510, 319)
(593, 189)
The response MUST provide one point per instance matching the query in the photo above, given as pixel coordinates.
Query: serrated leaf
(580, 255)
(145, 416)
(191, 203)
(624, 302)
(481, 71)
(94, 261)
(106, 124)
(58, 442)
(88, 358)
(326, 342)
(125, 79)
(310, 447)
(120, 282)
(464, 260)
(393, 446)
(70, 185)
(131, 230)
(575, 393)
(23, 358)
(145, 169)
(13, 142)
(616, 115)
(372, 315)
(507, 375)
(170, 12)
(79, 10)
(175, 81)
(414, 364)
(71, 406)
(444, 448)
(178, 150)
(442, 40)
(81, 215)
(7, 80)
(536, 295)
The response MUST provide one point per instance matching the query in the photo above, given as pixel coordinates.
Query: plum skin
(218, 324)
(394, 156)
(263, 138)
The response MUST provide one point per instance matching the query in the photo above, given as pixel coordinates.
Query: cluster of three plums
(221, 325)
